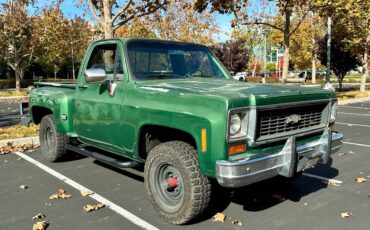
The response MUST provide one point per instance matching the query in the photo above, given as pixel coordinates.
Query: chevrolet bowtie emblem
(293, 119)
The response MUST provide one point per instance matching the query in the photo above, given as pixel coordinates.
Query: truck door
(97, 114)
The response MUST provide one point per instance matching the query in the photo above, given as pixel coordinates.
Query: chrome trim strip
(292, 104)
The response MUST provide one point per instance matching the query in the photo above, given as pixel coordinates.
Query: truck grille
(277, 122)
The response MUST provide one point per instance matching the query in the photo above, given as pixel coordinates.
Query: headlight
(333, 111)
(237, 123)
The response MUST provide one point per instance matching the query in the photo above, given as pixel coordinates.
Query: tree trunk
(286, 54)
(254, 69)
(340, 81)
(365, 67)
(314, 48)
(108, 27)
(18, 78)
(314, 60)
(55, 72)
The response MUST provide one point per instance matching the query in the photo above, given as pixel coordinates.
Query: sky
(70, 10)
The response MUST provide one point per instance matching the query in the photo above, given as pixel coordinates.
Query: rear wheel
(176, 188)
(53, 144)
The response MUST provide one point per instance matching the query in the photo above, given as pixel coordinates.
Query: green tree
(53, 52)
(253, 38)
(63, 41)
(289, 10)
(342, 59)
(17, 41)
(355, 17)
(79, 36)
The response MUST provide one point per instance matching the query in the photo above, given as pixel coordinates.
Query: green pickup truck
(172, 107)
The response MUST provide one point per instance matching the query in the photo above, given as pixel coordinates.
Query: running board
(82, 149)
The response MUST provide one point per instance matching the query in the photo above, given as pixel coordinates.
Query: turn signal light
(235, 149)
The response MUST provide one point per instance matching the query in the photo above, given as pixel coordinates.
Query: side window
(106, 57)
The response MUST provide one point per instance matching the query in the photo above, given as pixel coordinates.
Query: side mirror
(95, 75)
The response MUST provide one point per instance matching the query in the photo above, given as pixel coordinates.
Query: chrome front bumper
(292, 158)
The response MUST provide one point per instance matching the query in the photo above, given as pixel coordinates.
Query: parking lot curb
(352, 101)
(21, 141)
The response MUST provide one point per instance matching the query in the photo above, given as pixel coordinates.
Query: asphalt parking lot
(9, 114)
(306, 203)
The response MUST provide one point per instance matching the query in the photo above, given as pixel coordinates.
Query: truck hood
(241, 93)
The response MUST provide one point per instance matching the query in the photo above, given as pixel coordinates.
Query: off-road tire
(196, 188)
(52, 143)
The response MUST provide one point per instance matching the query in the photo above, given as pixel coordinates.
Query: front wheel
(53, 144)
(176, 188)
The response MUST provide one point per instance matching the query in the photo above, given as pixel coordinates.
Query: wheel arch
(38, 112)
(151, 135)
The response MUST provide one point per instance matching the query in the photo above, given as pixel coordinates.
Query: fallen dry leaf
(219, 217)
(346, 214)
(331, 183)
(237, 222)
(54, 196)
(41, 225)
(86, 193)
(93, 207)
(24, 187)
(65, 196)
(278, 197)
(360, 179)
(38, 216)
(11, 148)
(60, 194)
(19, 158)
(346, 154)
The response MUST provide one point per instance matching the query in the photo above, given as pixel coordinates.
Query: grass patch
(352, 94)
(18, 131)
(12, 93)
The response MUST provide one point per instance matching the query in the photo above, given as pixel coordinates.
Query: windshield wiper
(202, 75)
(162, 75)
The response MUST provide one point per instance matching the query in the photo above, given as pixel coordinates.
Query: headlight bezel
(333, 110)
(242, 133)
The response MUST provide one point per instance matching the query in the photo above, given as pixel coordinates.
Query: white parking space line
(322, 178)
(357, 114)
(350, 124)
(354, 107)
(119, 210)
(350, 143)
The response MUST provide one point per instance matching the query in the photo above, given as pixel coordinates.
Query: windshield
(161, 59)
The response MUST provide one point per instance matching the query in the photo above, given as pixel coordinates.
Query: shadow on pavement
(266, 194)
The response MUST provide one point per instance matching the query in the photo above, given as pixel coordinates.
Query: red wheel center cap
(172, 183)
